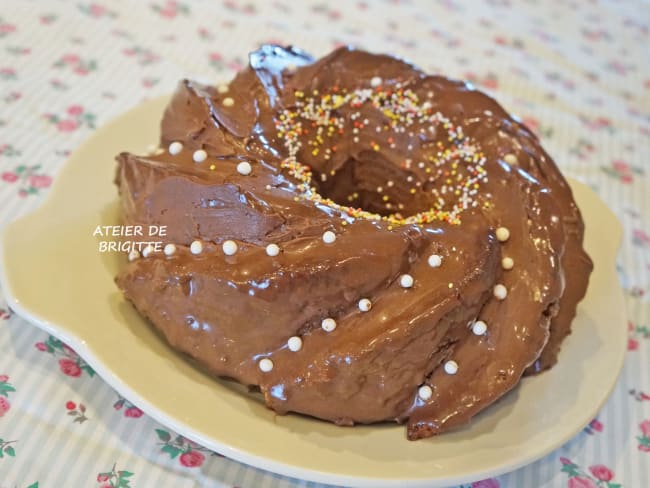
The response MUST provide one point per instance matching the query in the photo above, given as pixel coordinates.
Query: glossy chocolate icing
(229, 312)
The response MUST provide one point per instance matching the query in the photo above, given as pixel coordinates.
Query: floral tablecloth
(576, 71)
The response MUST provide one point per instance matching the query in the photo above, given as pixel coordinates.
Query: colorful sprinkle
(229, 248)
(196, 247)
(479, 327)
(294, 343)
(272, 250)
(365, 305)
(507, 263)
(175, 148)
(451, 367)
(328, 324)
(503, 234)
(406, 281)
(244, 168)
(376, 81)
(265, 365)
(500, 291)
(199, 156)
(329, 237)
(169, 250)
(425, 392)
(434, 261)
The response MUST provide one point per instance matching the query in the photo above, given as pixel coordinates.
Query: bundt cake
(361, 241)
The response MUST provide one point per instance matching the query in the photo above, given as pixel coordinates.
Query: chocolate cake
(362, 241)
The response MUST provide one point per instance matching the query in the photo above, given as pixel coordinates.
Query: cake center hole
(373, 184)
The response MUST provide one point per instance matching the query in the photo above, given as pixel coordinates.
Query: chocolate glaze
(228, 312)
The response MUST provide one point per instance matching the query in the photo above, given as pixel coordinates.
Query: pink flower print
(67, 125)
(640, 238)
(6, 29)
(192, 459)
(623, 171)
(76, 411)
(78, 65)
(632, 344)
(114, 478)
(96, 10)
(171, 9)
(622, 168)
(7, 73)
(645, 428)
(601, 472)
(4, 378)
(596, 425)
(69, 367)
(40, 181)
(565, 461)
(4, 406)
(75, 110)
(70, 58)
(9, 177)
(644, 448)
(133, 412)
(47, 19)
(580, 482)
(489, 483)
(41, 346)
(532, 123)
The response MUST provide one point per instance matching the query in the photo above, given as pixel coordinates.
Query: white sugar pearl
(294, 343)
(406, 281)
(479, 327)
(272, 250)
(434, 261)
(451, 367)
(365, 305)
(196, 247)
(133, 255)
(425, 392)
(375, 81)
(222, 88)
(265, 365)
(500, 291)
(511, 159)
(146, 252)
(507, 263)
(228, 102)
(175, 147)
(244, 168)
(169, 250)
(329, 237)
(328, 324)
(229, 248)
(503, 234)
(199, 156)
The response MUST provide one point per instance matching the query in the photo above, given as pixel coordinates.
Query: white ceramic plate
(54, 276)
